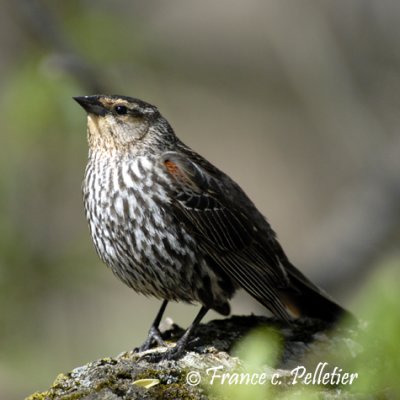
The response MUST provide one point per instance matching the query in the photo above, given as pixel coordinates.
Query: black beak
(91, 104)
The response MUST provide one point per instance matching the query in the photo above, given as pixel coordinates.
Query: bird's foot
(174, 352)
(154, 336)
(171, 353)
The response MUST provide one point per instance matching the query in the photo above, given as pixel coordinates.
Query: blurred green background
(297, 101)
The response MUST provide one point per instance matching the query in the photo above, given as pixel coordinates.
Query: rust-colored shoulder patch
(172, 168)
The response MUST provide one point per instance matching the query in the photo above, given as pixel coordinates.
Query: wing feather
(246, 252)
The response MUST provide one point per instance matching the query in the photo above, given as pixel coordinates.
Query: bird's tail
(304, 299)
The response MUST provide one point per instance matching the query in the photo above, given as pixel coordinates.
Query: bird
(171, 225)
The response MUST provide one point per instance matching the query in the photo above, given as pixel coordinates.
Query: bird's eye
(121, 110)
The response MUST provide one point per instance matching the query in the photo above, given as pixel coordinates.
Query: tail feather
(303, 298)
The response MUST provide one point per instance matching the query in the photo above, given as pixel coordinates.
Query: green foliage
(104, 37)
(34, 102)
(379, 307)
(259, 349)
(38, 144)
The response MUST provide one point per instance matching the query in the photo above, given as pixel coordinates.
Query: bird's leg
(179, 349)
(154, 334)
(176, 352)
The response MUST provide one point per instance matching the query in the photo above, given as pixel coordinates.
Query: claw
(154, 336)
(172, 353)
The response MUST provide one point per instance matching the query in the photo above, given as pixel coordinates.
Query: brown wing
(225, 228)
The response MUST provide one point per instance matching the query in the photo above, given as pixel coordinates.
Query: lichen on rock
(130, 376)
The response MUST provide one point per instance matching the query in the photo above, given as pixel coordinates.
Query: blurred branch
(367, 214)
(39, 20)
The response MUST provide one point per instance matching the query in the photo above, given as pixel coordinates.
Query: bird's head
(121, 123)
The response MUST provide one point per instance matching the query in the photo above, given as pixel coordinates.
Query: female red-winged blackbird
(171, 225)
